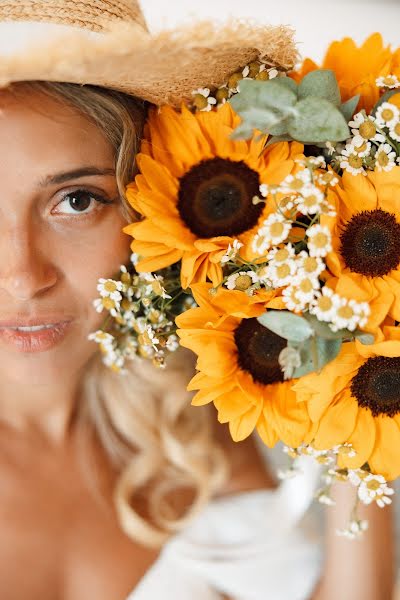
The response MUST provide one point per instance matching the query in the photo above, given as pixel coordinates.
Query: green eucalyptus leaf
(288, 82)
(242, 132)
(317, 120)
(315, 354)
(321, 83)
(264, 105)
(286, 324)
(365, 338)
(278, 138)
(385, 98)
(349, 108)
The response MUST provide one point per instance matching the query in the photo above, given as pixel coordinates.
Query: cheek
(99, 254)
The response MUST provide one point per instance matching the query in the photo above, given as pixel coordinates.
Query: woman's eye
(79, 202)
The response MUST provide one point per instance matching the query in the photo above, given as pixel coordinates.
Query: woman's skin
(59, 539)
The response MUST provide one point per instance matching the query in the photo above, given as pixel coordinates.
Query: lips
(33, 335)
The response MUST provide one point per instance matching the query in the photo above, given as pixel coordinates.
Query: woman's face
(60, 230)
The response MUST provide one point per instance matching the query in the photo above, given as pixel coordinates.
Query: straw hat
(106, 43)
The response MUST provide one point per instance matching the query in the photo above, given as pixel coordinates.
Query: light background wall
(316, 21)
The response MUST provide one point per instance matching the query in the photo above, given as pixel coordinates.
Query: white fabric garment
(250, 546)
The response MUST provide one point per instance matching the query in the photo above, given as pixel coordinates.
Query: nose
(26, 270)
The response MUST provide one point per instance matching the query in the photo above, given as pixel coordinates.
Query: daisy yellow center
(309, 201)
(282, 255)
(376, 385)
(282, 271)
(108, 303)
(110, 287)
(200, 101)
(397, 129)
(389, 80)
(361, 148)
(310, 264)
(243, 282)
(383, 159)
(276, 229)
(370, 243)
(258, 351)
(373, 485)
(355, 161)
(216, 198)
(320, 240)
(325, 303)
(306, 286)
(367, 130)
(345, 312)
(387, 114)
(297, 184)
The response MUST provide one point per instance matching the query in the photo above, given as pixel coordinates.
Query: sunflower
(196, 188)
(238, 367)
(355, 399)
(365, 259)
(357, 68)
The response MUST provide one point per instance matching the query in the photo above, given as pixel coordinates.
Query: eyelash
(92, 195)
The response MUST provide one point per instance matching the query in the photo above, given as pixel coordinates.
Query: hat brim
(164, 68)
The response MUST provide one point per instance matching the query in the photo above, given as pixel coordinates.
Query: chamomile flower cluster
(375, 141)
(369, 488)
(141, 313)
(203, 99)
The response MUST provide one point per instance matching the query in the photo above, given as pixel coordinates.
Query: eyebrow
(88, 171)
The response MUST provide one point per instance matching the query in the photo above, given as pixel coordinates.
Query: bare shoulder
(248, 468)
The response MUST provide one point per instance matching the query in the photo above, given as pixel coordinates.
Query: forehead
(43, 133)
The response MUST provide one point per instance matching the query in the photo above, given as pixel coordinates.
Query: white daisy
(274, 230)
(351, 161)
(310, 200)
(309, 266)
(360, 146)
(387, 114)
(295, 183)
(394, 131)
(172, 343)
(107, 303)
(373, 488)
(281, 274)
(355, 529)
(231, 252)
(385, 158)
(390, 82)
(349, 315)
(325, 304)
(364, 126)
(202, 99)
(281, 254)
(319, 240)
(291, 299)
(242, 281)
(306, 287)
(108, 288)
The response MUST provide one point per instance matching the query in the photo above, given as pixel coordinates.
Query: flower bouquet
(268, 243)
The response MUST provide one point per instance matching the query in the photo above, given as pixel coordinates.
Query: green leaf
(286, 324)
(321, 83)
(315, 354)
(288, 82)
(277, 138)
(264, 105)
(365, 338)
(349, 108)
(317, 120)
(242, 132)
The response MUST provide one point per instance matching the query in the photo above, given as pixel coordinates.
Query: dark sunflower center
(377, 384)
(370, 243)
(216, 198)
(258, 351)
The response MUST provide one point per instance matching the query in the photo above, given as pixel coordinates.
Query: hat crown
(95, 15)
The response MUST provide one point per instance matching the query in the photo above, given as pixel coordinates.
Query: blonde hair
(157, 442)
